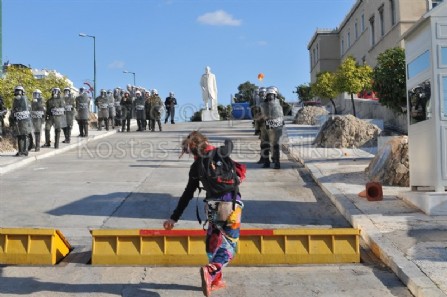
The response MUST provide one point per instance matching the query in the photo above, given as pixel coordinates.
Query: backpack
(220, 174)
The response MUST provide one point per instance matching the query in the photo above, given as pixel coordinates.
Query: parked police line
(115, 108)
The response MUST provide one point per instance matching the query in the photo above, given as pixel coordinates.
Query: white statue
(209, 89)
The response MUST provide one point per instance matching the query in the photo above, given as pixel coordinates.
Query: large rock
(347, 132)
(309, 115)
(391, 166)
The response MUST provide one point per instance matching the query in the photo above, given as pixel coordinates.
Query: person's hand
(168, 224)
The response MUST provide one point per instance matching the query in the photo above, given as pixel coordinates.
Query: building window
(317, 53)
(373, 33)
(349, 39)
(356, 29)
(393, 12)
(435, 3)
(362, 23)
(382, 25)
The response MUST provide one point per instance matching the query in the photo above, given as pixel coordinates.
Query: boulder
(347, 132)
(391, 165)
(309, 115)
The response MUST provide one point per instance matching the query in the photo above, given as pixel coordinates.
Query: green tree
(49, 82)
(245, 92)
(304, 92)
(389, 81)
(352, 78)
(16, 76)
(324, 87)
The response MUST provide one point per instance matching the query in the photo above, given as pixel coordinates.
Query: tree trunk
(335, 107)
(353, 105)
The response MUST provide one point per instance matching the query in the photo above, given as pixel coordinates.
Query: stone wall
(370, 109)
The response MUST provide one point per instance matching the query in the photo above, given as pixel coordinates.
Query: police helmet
(272, 90)
(81, 90)
(19, 90)
(154, 92)
(55, 91)
(37, 94)
(171, 94)
(138, 92)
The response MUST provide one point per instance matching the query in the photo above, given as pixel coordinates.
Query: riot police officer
(3, 111)
(54, 116)
(69, 114)
(82, 109)
(112, 113)
(273, 117)
(37, 116)
(126, 112)
(103, 109)
(155, 107)
(139, 110)
(20, 120)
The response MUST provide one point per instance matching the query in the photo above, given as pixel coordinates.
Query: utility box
(426, 65)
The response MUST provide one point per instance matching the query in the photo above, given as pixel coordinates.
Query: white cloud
(116, 65)
(218, 18)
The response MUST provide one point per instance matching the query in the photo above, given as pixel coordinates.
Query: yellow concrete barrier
(32, 246)
(255, 247)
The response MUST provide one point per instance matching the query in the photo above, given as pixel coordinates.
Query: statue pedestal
(210, 115)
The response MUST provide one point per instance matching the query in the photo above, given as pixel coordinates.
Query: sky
(168, 43)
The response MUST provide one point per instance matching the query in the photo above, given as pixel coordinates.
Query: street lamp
(94, 61)
(125, 71)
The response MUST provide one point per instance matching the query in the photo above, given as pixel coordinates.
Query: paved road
(133, 180)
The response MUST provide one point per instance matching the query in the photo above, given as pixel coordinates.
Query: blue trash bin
(241, 111)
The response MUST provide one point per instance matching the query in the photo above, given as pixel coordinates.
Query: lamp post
(125, 71)
(94, 61)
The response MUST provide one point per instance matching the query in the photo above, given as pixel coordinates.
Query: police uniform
(272, 127)
(38, 117)
(82, 103)
(126, 112)
(20, 120)
(140, 113)
(155, 106)
(103, 110)
(70, 113)
(54, 116)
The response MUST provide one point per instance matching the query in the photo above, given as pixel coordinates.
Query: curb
(30, 159)
(408, 272)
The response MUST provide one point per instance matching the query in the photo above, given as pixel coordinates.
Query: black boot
(159, 124)
(47, 139)
(19, 146)
(107, 124)
(25, 145)
(57, 135)
(31, 143)
(81, 128)
(266, 164)
(66, 140)
(37, 137)
(85, 128)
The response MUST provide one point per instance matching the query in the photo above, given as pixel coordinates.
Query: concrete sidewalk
(9, 162)
(412, 244)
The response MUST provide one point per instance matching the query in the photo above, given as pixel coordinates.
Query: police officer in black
(82, 103)
(140, 111)
(70, 112)
(126, 111)
(170, 104)
(37, 116)
(20, 120)
(54, 116)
